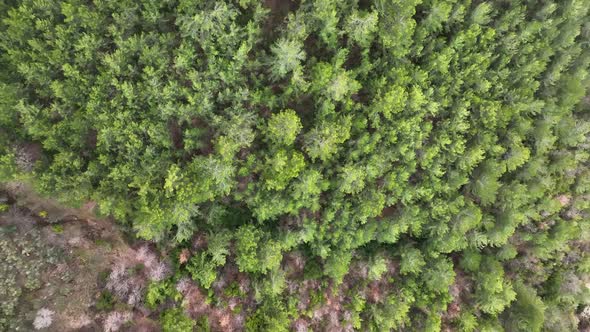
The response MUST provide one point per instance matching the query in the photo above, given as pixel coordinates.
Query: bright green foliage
(486, 184)
(353, 179)
(203, 265)
(467, 322)
(284, 127)
(8, 168)
(158, 292)
(493, 292)
(174, 320)
(281, 168)
(412, 261)
(392, 314)
(439, 275)
(322, 141)
(361, 27)
(247, 240)
(425, 159)
(288, 55)
(377, 268)
(336, 266)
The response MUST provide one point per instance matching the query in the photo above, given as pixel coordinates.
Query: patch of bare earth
(90, 245)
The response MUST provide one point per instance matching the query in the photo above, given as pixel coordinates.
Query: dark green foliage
(203, 265)
(105, 301)
(527, 313)
(270, 316)
(202, 324)
(428, 157)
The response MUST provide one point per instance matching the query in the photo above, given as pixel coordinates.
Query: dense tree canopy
(422, 164)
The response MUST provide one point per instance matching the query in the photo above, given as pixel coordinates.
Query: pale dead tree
(43, 319)
(115, 320)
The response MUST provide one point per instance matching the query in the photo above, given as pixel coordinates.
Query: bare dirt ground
(90, 258)
(70, 285)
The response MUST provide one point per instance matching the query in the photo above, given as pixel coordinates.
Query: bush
(174, 320)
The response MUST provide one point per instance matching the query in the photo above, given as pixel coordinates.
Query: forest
(301, 165)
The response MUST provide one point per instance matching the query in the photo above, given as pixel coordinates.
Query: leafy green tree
(270, 255)
(493, 293)
(288, 55)
(527, 312)
(412, 261)
(485, 185)
(439, 275)
(247, 239)
(306, 189)
(284, 127)
(361, 27)
(281, 168)
(377, 267)
(202, 269)
(336, 266)
(322, 142)
(271, 316)
(353, 179)
(174, 320)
